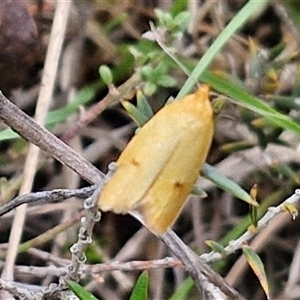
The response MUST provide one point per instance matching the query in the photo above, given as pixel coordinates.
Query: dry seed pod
(158, 168)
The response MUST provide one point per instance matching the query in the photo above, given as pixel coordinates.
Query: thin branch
(53, 196)
(262, 223)
(90, 270)
(14, 289)
(202, 274)
(113, 96)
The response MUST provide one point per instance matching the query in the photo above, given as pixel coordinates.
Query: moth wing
(139, 165)
(159, 166)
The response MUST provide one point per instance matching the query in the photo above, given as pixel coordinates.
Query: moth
(158, 168)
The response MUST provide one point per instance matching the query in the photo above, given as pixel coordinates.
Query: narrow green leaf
(83, 96)
(258, 268)
(137, 115)
(166, 81)
(253, 215)
(183, 290)
(143, 105)
(226, 184)
(140, 290)
(80, 292)
(216, 247)
(149, 88)
(8, 134)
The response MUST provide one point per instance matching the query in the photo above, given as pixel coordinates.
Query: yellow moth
(158, 168)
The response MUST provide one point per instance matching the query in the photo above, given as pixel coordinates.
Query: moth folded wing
(147, 154)
(165, 199)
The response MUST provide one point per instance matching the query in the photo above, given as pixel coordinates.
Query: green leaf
(83, 96)
(140, 290)
(166, 81)
(182, 19)
(148, 72)
(8, 134)
(143, 105)
(178, 6)
(164, 18)
(149, 88)
(106, 74)
(80, 292)
(142, 112)
(253, 216)
(258, 268)
(226, 184)
(183, 290)
(137, 115)
(216, 247)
